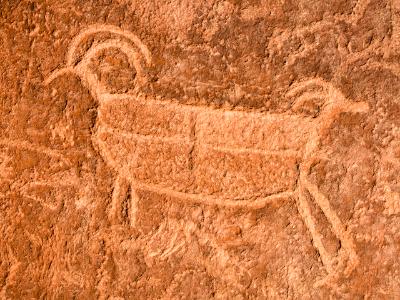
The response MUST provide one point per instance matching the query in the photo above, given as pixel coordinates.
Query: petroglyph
(36, 148)
(136, 52)
(47, 194)
(213, 156)
(317, 30)
(98, 28)
(50, 186)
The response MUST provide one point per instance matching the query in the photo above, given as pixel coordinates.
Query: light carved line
(256, 115)
(258, 203)
(28, 146)
(101, 28)
(188, 140)
(338, 228)
(310, 221)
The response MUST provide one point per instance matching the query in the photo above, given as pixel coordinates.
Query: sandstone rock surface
(239, 149)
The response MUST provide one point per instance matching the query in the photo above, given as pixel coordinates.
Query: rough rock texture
(242, 149)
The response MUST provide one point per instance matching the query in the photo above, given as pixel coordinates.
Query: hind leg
(311, 223)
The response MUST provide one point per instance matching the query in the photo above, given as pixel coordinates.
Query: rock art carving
(213, 156)
(278, 40)
(47, 191)
(23, 145)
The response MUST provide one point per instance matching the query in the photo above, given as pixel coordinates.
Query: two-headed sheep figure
(213, 156)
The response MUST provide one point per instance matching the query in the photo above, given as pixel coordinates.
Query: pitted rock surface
(241, 149)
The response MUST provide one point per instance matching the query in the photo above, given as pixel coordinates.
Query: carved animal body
(213, 156)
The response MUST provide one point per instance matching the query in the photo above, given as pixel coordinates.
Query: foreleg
(124, 203)
(347, 243)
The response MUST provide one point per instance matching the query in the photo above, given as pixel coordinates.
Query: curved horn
(330, 99)
(130, 45)
(99, 28)
(90, 79)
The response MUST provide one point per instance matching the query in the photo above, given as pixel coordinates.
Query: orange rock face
(199, 149)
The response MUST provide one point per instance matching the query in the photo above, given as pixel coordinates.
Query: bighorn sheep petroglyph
(213, 156)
